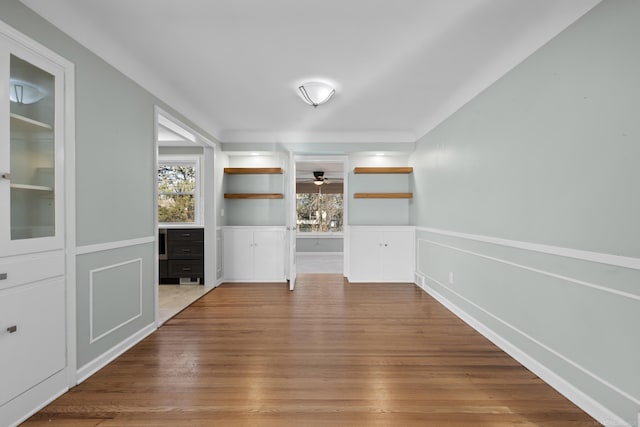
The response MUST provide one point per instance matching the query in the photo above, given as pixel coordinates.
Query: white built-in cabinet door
(31, 143)
(238, 254)
(268, 255)
(382, 254)
(254, 254)
(32, 338)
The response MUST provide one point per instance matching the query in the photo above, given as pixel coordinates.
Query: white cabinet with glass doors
(33, 308)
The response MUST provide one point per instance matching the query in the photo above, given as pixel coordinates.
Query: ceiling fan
(319, 179)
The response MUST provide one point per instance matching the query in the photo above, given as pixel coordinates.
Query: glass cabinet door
(32, 151)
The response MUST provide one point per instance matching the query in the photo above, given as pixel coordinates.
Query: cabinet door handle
(3, 276)
(6, 175)
(12, 329)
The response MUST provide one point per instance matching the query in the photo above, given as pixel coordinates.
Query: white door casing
(292, 222)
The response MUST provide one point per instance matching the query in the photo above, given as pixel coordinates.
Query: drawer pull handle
(186, 269)
(12, 329)
(186, 250)
(186, 235)
(3, 276)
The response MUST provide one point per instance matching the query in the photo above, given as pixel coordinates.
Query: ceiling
(232, 66)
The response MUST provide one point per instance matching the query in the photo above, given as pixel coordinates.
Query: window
(318, 212)
(179, 191)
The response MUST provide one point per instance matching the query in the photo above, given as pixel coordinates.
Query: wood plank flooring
(328, 354)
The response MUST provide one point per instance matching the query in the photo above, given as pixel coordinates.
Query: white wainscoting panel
(92, 302)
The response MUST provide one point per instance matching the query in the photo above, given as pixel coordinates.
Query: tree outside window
(319, 212)
(177, 192)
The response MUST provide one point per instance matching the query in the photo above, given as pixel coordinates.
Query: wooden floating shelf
(383, 196)
(384, 170)
(253, 196)
(251, 171)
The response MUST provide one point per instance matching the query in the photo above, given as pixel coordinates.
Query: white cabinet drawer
(24, 269)
(36, 349)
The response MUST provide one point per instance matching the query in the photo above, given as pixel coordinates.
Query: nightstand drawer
(186, 268)
(184, 249)
(192, 234)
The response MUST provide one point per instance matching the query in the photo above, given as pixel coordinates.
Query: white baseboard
(579, 398)
(101, 361)
(278, 280)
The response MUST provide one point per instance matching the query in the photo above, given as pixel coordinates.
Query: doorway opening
(184, 216)
(321, 214)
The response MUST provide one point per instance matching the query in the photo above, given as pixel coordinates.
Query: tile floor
(174, 298)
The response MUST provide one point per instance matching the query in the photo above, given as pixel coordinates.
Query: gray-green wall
(379, 211)
(547, 155)
(115, 177)
(256, 211)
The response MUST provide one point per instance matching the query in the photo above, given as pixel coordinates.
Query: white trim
(292, 137)
(108, 356)
(382, 227)
(93, 339)
(155, 154)
(578, 397)
(316, 235)
(33, 45)
(99, 247)
(535, 270)
(207, 205)
(201, 140)
(255, 227)
(70, 217)
(599, 257)
(302, 253)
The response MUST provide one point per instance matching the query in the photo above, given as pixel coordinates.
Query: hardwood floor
(328, 354)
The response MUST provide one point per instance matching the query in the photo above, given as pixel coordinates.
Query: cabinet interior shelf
(383, 195)
(22, 122)
(384, 170)
(251, 171)
(31, 187)
(253, 196)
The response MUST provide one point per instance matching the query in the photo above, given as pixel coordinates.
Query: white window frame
(194, 160)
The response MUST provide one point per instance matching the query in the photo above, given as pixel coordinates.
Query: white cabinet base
(382, 254)
(13, 412)
(254, 254)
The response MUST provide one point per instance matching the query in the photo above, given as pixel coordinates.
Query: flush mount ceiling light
(316, 93)
(24, 93)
